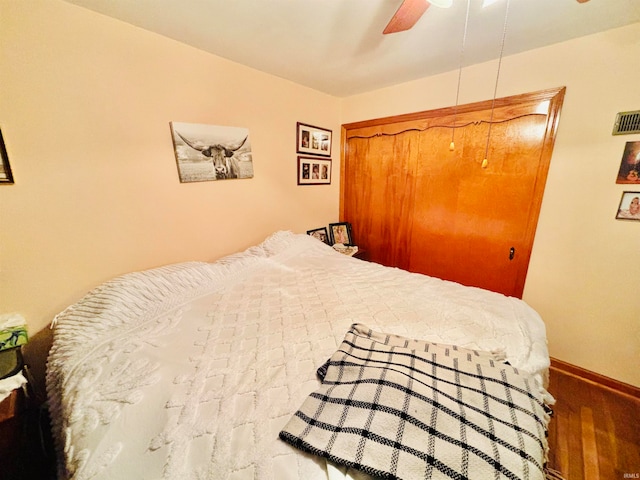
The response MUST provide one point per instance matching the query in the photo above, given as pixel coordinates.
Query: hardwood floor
(595, 430)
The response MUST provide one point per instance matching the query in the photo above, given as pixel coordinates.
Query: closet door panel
(470, 218)
(380, 192)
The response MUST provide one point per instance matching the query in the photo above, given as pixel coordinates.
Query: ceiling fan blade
(583, 1)
(406, 16)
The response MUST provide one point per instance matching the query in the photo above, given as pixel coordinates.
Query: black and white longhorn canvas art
(210, 152)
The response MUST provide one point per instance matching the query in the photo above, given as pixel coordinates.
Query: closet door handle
(512, 253)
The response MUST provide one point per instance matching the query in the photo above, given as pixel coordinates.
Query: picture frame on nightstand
(340, 233)
(320, 233)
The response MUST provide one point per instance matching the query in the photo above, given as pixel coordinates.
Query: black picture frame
(313, 140)
(314, 171)
(321, 234)
(6, 177)
(340, 232)
(629, 208)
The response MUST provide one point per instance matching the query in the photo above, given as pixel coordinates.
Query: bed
(205, 371)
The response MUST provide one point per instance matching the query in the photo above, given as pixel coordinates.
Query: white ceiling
(337, 46)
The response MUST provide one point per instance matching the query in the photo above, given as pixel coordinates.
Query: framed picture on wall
(211, 152)
(629, 208)
(314, 171)
(629, 171)
(313, 140)
(5, 169)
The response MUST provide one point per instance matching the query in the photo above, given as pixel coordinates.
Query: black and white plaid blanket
(399, 408)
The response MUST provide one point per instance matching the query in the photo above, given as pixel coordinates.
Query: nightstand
(25, 440)
(11, 363)
(361, 254)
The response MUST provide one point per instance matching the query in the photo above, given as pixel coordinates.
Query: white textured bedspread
(190, 371)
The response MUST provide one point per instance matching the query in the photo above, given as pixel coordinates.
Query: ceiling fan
(410, 12)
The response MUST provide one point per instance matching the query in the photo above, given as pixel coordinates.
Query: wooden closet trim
(524, 98)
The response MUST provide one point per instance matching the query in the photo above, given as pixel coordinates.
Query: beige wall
(85, 106)
(584, 275)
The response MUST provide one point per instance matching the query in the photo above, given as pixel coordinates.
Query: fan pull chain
(452, 145)
(485, 162)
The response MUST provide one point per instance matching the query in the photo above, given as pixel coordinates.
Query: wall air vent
(626, 123)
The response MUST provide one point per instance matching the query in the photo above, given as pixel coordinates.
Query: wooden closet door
(417, 205)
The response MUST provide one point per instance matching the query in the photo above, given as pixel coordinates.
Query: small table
(11, 363)
(25, 437)
(361, 254)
